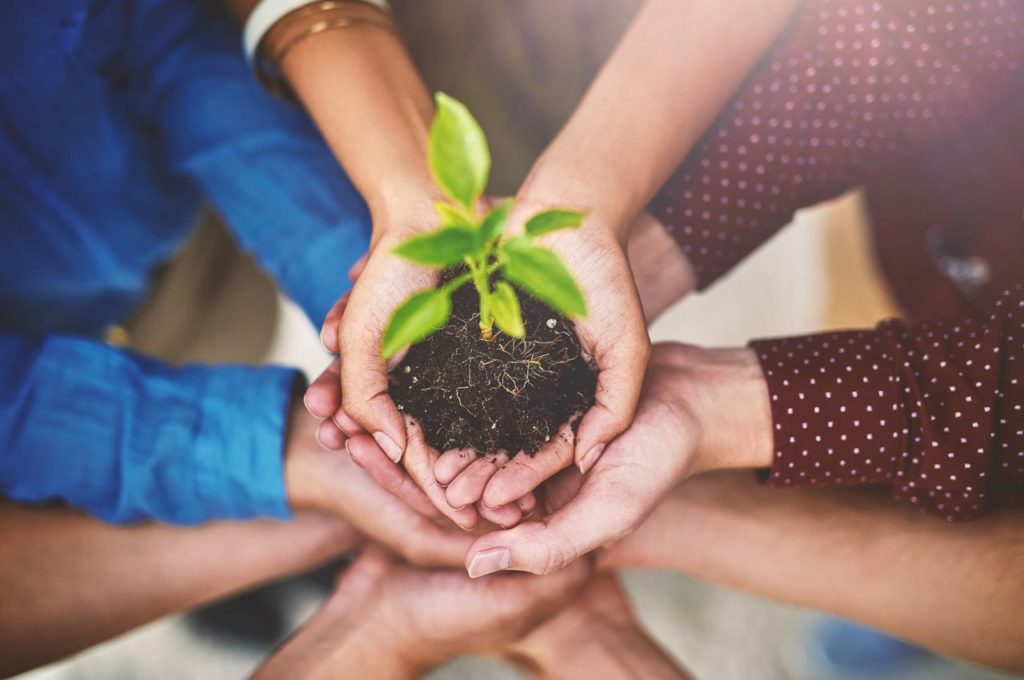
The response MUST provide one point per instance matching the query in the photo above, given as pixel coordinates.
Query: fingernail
(588, 460)
(349, 452)
(489, 561)
(388, 444)
(323, 341)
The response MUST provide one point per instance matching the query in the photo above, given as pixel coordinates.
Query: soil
(508, 394)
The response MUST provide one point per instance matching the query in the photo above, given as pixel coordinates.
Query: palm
(636, 471)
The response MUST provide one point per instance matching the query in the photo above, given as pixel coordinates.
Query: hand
(399, 516)
(596, 635)
(337, 430)
(700, 410)
(662, 275)
(388, 620)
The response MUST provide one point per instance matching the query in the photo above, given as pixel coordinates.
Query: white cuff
(269, 12)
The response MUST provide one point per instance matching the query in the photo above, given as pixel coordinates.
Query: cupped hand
(662, 275)
(398, 515)
(338, 431)
(382, 282)
(613, 335)
(700, 410)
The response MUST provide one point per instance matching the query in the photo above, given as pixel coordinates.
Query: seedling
(460, 163)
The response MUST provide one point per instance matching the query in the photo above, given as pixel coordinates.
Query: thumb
(622, 367)
(594, 518)
(365, 397)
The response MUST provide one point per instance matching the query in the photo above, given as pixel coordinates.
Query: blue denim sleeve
(127, 438)
(259, 160)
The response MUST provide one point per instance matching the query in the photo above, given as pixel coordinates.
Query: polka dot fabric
(935, 410)
(853, 85)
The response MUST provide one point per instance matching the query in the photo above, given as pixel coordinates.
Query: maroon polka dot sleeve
(852, 84)
(936, 410)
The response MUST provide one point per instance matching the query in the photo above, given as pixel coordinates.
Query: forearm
(849, 552)
(628, 134)
(63, 569)
(360, 86)
(363, 91)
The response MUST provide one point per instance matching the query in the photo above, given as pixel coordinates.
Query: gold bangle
(296, 26)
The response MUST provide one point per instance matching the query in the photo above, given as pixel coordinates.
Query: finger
(367, 455)
(505, 517)
(323, 396)
(527, 504)
(468, 487)
(329, 328)
(329, 437)
(357, 268)
(420, 466)
(601, 513)
(365, 395)
(561, 489)
(623, 364)
(525, 472)
(347, 425)
(451, 463)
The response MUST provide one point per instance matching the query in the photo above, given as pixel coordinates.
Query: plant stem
(481, 279)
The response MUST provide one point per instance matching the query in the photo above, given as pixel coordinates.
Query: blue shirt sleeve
(259, 160)
(128, 438)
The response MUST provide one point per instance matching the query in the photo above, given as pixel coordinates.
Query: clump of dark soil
(504, 395)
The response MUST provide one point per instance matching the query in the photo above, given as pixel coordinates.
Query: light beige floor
(816, 274)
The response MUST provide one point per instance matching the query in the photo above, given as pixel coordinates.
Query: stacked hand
(613, 334)
(388, 620)
(663, 446)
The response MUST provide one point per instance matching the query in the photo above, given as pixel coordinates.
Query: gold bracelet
(306, 21)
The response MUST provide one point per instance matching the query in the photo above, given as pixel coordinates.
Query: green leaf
(494, 223)
(553, 220)
(505, 307)
(453, 215)
(418, 317)
(440, 248)
(541, 273)
(457, 152)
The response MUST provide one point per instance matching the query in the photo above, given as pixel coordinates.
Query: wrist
(729, 396)
(364, 93)
(585, 183)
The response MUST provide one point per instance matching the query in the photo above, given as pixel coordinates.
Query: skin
(62, 568)
(392, 511)
(662, 275)
(686, 424)
(386, 620)
(951, 587)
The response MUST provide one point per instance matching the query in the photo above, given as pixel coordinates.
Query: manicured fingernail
(388, 444)
(489, 561)
(588, 460)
